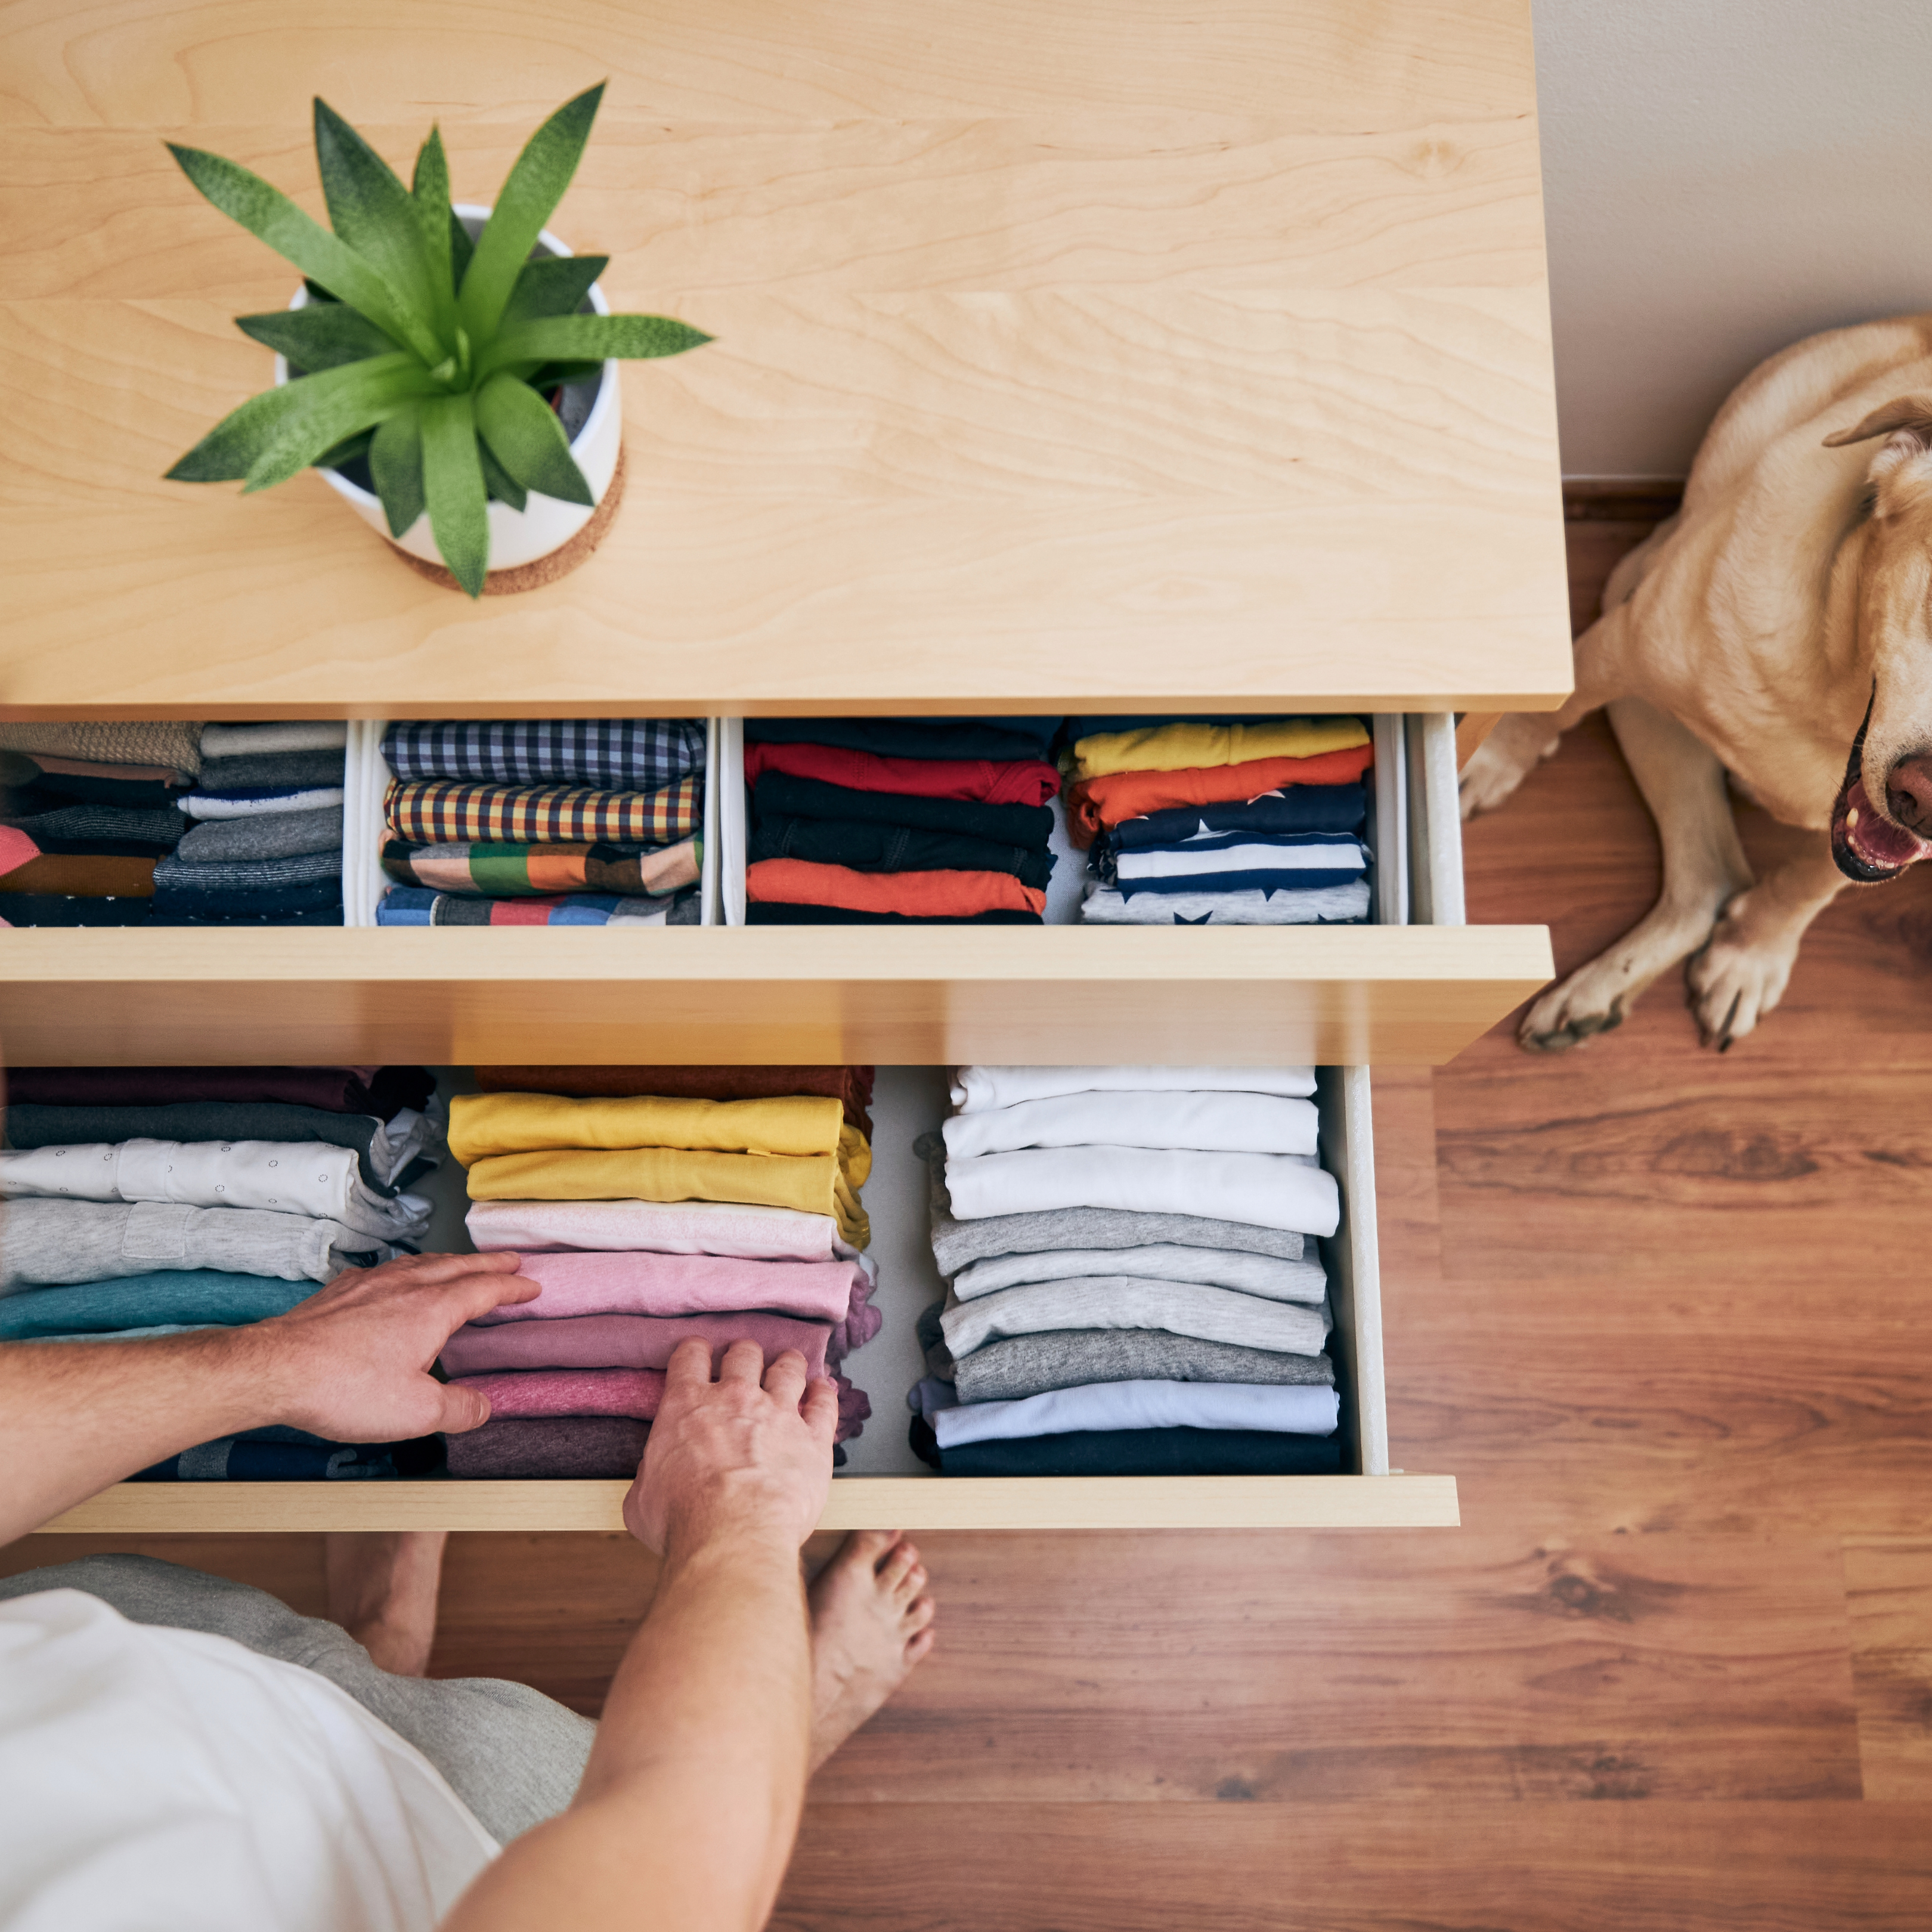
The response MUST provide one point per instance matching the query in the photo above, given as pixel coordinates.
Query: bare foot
(383, 1586)
(870, 1625)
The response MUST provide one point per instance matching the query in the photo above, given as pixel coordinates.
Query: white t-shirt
(156, 1779)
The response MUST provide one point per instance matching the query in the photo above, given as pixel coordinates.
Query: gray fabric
(281, 834)
(515, 1756)
(163, 826)
(1125, 1301)
(161, 741)
(301, 734)
(1019, 1365)
(1164, 1260)
(45, 1242)
(931, 1332)
(182, 876)
(958, 1244)
(252, 771)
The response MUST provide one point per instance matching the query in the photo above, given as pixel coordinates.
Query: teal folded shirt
(190, 1298)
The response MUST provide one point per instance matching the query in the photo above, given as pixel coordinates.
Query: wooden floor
(1668, 1317)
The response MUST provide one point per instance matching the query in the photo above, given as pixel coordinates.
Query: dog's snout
(1908, 792)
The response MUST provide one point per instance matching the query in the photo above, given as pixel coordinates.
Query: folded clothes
(1180, 747)
(861, 846)
(1092, 804)
(318, 904)
(54, 823)
(513, 871)
(1214, 1122)
(584, 1447)
(1289, 1409)
(725, 1229)
(481, 1124)
(384, 1091)
(447, 811)
(839, 915)
(778, 794)
(1208, 857)
(92, 848)
(630, 1341)
(982, 781)
(974, 1089)
(82, 875)
(534, 1394)
(1326, 905)
(1019, 1366)
(270, 771)
(134, 788)
(923, 894)
(581, 1283)
(278, 835)
(161, 741)
(28, 909)
(1300, 809)
(194, 1297)
(957, 1244)
(913, 737)
(246, 1459)
(49, 1241)
(258, 801)
(1150, 1452)
(294, 1177)
(412, 905)
(1274, 1190)
(1264, 1275)
(302, 734)
(1127, 1301)
(179, 878)
(622, 754)
(850, 1086)
(1268, 880)
(1080, 727)
(383, 1149)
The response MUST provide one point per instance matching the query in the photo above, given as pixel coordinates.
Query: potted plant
(452, 371)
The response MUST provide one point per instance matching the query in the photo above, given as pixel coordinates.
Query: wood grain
(1888, 1584)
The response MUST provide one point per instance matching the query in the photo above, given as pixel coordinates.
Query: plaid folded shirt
(447, 811)
(624, 754)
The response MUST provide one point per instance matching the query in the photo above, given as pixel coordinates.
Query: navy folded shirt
(1299, 808)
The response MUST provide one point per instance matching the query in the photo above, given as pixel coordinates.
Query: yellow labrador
(1778, 628)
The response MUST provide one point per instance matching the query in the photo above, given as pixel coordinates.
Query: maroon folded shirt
(588, 1448)
(386, 1092)
(632, 1341)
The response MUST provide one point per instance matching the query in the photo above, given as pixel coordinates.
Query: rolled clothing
(298, 734)
(1273, 1190)
(173, 742)
(1093, 804)
(1346, 904)
(444, 812)
(383, 1091)
(1300, 809)
(132, 787)
(618, 753)
(1276, 1280)
(1151, 1452)
(251, 1458)
(864, 846)
(54, 826)
(44, 1242)
(724, 1229)
(1016, 1366)
(85, 875)
(294, 1177)
(527, 872)
(411, 905)
(583, 1448)
(177, 877)
(259, 801)
(1183, 745)
(975, 1089)
(787, 914)
(1291, 1409)
(1126, 1301)
(781, 795)
(278, 835)
(272, 771)
(505, 1123)
(923, 894)
(850, 1086)
(1213, 1123)
(188, 1298)
(913, 737)
(977, 781)
(630, 1341)
(553, 1393)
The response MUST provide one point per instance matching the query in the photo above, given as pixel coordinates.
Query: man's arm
(351, 1362)
(691, 1798)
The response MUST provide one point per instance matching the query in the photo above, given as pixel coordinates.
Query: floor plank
(1889, 1587)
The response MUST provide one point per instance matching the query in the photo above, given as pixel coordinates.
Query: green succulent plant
(427, 353)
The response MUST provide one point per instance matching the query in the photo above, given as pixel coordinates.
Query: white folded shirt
(1288, 1411)
(724, 1229)
(975, 1088)
(1212, 1268)
(1272, 1190)
(290, 1176)
(1285, 905)
(212, 805)
(1122, 1301)
(1342, 855)
(304, 734)
(1209, 1122)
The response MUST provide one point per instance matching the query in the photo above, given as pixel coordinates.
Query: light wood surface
(790, 996)
(1064, 354)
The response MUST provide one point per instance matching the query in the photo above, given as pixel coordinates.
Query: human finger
(463, 1409)
(744, 1362)
(690, 1364)
(427, 1269)
(784, 1378)
(820, 1408)
(471, 1295)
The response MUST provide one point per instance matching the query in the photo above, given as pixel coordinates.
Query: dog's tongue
(1875, 839)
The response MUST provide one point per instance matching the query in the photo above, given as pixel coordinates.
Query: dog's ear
(1912, 415)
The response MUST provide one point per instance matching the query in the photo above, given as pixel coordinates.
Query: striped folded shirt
(626, 753)
(414, 905)
(534, 871)
(449, 812)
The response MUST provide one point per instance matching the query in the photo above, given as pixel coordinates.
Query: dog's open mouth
(1867, 846)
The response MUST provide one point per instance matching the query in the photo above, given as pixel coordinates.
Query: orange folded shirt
(1094, 804)
(921, 895)
(83, 875)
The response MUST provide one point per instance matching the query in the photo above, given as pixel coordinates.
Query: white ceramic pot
(545, 523)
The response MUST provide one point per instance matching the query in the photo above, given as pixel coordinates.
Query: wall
(1721, 178)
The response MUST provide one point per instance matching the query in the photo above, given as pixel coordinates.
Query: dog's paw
(1568, 1015)
(1738, 977)
(1503, 759)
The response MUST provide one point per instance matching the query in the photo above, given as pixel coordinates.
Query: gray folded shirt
(1126, 1301)
(1019, 1366)
(277, 835)
(1161, 1261)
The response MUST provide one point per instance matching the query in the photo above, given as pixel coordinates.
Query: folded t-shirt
(766, 914)
(383, 1091)
(1150, 1452)
(983, 780)
(1265, 1275)
(511, 1448)
(1293, 1409)
(913, 737)
(502, 1123)
(850, 1086)
(630, 1341)
(418, 905)
(781, 795)
(1230, 904)
(194, 1297)
(621, 754)
(862, 845)
(721, 1228)
(1125, 1301)
(1093, 804)
(1180, 747)
(977, 1088)
(1300, 809)
(921, 895)
(1212, 1122)
(517, 872)
(1015, 1367)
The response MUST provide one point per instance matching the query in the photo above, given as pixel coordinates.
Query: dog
(1777, 632)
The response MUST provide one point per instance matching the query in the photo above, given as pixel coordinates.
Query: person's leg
(871, 1622)
(383, 1590)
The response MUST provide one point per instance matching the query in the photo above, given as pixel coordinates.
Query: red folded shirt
(923, 895)
(1094, 804)
(1028, 781)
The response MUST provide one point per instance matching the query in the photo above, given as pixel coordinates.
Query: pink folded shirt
(664, 1227)
(630, 1341)
(547, 1393)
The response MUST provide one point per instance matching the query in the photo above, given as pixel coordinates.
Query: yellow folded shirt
(1179, 747)
(810, 1183)
(482, 1124)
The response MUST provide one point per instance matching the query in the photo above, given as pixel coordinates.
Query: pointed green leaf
(324, 335)
(553, 287)
(268, 213)
(535, 186)
(429, 188)
(396, 467)
(498, 481)
(525, 436)
(460, 250)
(334, 405)
(459, 512)
(580, 338)
(225, 454)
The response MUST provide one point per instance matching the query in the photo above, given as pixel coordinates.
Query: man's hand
(741, 1454)
(352, 1363)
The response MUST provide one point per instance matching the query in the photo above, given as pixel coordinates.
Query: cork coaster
(534, 576)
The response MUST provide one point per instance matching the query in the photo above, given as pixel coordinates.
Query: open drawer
(884, 1486)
